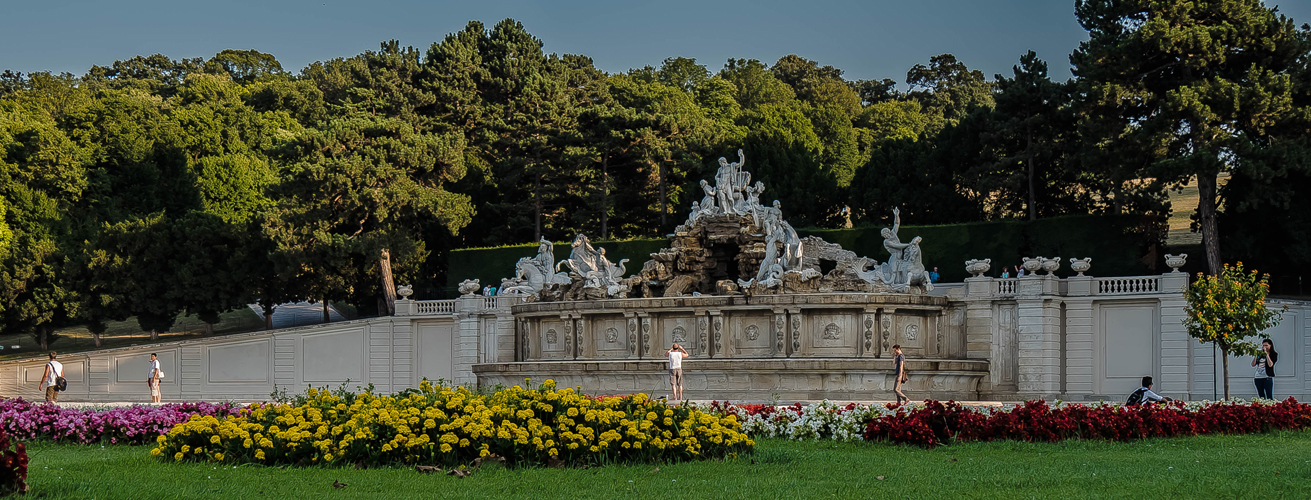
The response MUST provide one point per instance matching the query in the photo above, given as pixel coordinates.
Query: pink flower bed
(24, 421)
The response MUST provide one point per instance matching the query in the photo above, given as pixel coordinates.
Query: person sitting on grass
(1145, 394)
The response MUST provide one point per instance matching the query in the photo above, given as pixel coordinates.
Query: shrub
(441, 425)
(13, 467)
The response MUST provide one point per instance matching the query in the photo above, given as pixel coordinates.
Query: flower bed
(25, 421)
(438, 425)
(13, 468)
(934, 423)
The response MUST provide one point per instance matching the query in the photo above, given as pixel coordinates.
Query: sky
(866, 39)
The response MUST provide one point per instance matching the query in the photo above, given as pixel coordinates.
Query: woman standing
(1265, 369)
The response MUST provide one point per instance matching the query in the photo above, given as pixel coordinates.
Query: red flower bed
(938, 423)
(13, 467)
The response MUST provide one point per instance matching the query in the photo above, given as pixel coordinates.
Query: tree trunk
(96, 338)
(388, 287)
(268, 317)
(663, 223)
(327, 318)
(537, 207)
(1224, 356)
(43, 337)
(154, 334)
(1206, 191)
(209, 329)
(1033, 209)
(605, 192)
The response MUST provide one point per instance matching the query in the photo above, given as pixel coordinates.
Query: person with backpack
(1145, 394)
(53, 379)
(1265, 370)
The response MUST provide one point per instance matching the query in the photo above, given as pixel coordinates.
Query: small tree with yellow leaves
(1230, 310)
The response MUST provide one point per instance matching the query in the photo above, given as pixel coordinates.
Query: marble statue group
(733, 197)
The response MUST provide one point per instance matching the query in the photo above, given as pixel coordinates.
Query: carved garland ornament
(719, 327)
(887, 332)
(779, 320)
(632, 336)
(646, 335)
(869, 333)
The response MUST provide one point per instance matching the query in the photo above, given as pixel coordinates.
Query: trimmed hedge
(1120, 245)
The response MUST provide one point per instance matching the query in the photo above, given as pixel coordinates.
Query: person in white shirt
(1144, 394)
(152, 378)
(676, 355)
(54, 370)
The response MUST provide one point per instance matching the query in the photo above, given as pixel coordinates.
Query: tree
(1227, 309)
(948, 90)
(1192, 87)
(1030, 131)
(245, 66)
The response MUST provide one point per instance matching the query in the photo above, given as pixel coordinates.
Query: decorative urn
(978, 267)
(469, 287)
(1051, 265)
(1033, 264)
(1080, 265)
(405, 291)
(1176, 261)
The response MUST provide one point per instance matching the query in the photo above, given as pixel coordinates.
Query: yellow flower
(155, 452)
(218, 456)
(446, 448)
(178, 456)
(259, 454)
(214, 439)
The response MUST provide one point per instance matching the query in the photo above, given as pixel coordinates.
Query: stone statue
(914, 265)
(707, 206)
(532, 274)
(612, 274)
(583, 258)
(894, 269)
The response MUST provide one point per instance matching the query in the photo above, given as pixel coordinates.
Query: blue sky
(870, 39)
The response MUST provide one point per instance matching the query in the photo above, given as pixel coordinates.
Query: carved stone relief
(612, 335)
(552, 336)
(753, 332)
(832, 332)
(680, 335)
(911, 332)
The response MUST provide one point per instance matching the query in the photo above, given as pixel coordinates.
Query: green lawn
(1267, 466)
(127, 333)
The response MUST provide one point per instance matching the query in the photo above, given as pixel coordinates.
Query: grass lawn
(1265, 466)
(1183, 204)
(127, 333)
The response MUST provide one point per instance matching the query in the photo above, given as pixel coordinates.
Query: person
(676, 355)
(152, 378)
(1005, 272)
(899, 367)
(1019, 271)
(54, 370)
(1145, 394)
(1265, 369)
(934, 277)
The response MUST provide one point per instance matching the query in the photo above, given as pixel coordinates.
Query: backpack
(1136, 398)
(61, 384)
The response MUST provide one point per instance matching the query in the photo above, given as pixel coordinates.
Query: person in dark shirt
(899, 367)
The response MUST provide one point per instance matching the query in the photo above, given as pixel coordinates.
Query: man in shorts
(676, 355)
(54, 370)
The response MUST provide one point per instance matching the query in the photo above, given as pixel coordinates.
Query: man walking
(899, 367)
(54, 370)
(676, 355)
(152, 378)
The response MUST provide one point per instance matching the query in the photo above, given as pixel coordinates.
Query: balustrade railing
(435, 306)
(1006, 287)
(1126, 286)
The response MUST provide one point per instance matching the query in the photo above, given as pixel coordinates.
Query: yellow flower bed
(452, 426)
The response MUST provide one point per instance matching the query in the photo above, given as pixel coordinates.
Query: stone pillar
(716, 333)
(780, 333)
(794, 330)
(1176, 345)
(630, 333)
(525, 351)
(1079, 337)
(1039, 360)
(702, 336)
(569, 351)
(584, 343)
(885, 332)
(467, 336)
(644, 337)
(868, 326)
